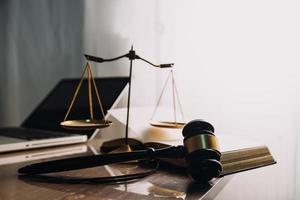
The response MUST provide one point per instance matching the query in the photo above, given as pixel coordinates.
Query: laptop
(42, 127)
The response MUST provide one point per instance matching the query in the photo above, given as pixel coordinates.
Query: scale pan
(85, 124)
(165, 124)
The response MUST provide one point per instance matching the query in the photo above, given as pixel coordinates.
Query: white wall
(236, 61)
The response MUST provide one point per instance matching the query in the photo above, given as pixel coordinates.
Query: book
(245, 159)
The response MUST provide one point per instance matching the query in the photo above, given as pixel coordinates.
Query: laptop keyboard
(30, 134)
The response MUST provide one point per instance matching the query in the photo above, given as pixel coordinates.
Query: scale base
(112, 145)
(125, 148)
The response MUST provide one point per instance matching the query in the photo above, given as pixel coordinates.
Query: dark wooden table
(167, 183)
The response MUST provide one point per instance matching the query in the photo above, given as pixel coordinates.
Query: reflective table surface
(166, 183)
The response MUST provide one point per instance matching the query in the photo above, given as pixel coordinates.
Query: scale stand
(131, 56)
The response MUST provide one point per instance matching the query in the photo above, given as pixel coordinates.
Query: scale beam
(131, 56)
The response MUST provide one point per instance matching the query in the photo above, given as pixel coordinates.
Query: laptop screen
(52, 110)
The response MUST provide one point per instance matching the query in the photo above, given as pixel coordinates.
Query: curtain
(41, 43)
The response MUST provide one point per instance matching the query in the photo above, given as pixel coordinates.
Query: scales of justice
(100, 123)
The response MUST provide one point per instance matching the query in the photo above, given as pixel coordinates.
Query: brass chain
(91, 83)
(175, 96)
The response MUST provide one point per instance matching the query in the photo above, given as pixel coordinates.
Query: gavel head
(203, 155)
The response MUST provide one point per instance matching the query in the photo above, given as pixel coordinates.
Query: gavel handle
(99, 160)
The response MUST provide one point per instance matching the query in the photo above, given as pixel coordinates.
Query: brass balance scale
(91, 123)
